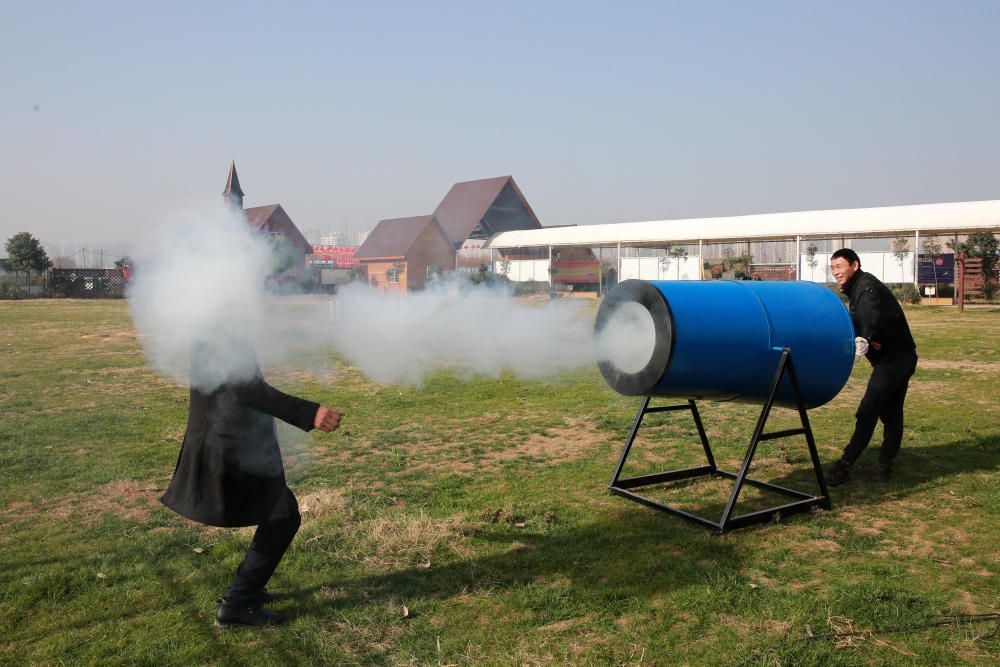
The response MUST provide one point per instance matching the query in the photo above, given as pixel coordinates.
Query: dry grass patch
(403, 540)
(323, 502)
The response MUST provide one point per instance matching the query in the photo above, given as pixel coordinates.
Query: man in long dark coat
(883, 336)
(229, 473)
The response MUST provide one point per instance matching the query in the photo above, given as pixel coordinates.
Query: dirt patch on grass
(556, 445)
(987, 367)
(745, 627)
(130, 500)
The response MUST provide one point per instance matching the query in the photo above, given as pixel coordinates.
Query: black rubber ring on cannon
(643, 293)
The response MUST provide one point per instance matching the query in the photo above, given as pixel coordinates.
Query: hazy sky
(113, 113)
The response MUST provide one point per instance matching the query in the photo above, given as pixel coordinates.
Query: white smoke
(197, 297)
(628, 338)
(474, 330)
(199, 305)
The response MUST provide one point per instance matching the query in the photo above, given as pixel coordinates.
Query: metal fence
(88, 283)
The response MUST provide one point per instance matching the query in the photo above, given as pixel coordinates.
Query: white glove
(860, 347)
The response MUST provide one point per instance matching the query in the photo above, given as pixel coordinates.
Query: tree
(901, 249)
(985, 246)
(122, 262)
(25, 253)
(672, 252)
(932, 248)
(811, 260)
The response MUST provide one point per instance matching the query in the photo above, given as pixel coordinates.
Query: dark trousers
(270, 541)
(883, 400)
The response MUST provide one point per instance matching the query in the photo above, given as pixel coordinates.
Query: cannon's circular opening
(628, 338)
(633, 337)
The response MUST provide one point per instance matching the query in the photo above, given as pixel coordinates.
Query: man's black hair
(847, 254)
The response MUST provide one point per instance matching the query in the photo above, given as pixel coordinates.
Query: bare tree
(932, 248)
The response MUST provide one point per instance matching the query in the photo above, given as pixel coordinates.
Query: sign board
(338, 257)
(943, 266)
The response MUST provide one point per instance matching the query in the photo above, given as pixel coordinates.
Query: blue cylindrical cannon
(723, 340)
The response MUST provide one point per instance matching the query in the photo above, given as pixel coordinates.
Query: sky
(115, 114)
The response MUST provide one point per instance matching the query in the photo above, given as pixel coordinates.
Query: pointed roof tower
(233, 192)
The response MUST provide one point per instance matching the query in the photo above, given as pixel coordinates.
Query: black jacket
(229, 471)
(878, 317)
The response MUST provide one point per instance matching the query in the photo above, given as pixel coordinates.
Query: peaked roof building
(393, 239)
(270, 219)
(480, 209)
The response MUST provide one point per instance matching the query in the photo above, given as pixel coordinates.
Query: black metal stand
(728, 521)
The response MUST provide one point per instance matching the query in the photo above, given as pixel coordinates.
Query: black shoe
(248, 615)
(879, 471)
(837, 473)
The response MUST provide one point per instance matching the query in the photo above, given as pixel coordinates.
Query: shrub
(906, 292)
(9, 292)
(530, 287)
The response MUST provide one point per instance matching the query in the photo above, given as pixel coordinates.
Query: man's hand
(327, 419)
(860, 347)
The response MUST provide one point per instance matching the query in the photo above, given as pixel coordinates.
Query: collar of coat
(849, 286)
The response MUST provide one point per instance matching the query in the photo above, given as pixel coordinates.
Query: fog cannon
(787, 344)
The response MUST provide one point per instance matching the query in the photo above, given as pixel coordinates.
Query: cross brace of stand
(626, 487)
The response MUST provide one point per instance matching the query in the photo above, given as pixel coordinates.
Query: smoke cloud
(199, 304)
(197, 297)
(474, 330)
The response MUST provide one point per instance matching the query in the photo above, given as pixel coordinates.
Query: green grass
(480, 505)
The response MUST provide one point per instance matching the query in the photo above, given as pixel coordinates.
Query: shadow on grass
(636, 556)
(914, 468)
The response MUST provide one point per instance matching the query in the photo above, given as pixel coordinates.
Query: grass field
(469, 522)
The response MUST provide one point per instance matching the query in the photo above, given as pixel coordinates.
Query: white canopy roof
(957, 217)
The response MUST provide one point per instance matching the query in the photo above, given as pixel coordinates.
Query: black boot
(837, 473)
(244, 615)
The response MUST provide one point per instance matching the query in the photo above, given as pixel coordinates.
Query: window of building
(393, 273)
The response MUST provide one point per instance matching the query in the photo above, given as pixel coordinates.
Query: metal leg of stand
(803, 501)
(628, 444)
(701, 432)
(758, 431)
(824, 492)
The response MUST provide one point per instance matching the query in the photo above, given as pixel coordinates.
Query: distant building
(474, 211)
(401, 254)
(275, 223)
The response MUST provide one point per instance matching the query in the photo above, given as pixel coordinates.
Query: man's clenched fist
(327, 419)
